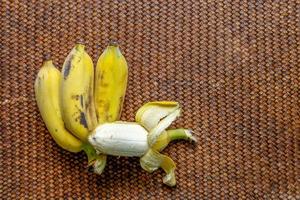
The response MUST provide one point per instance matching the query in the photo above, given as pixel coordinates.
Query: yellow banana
(110, 84)
(77, 103)
(46, 87)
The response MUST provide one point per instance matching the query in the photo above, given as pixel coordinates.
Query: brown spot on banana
(76, 97)
(81, 101)
(67, 67)
(106, 110)
(100, 102)
(90, 108)
(102, 81)
(113, 43)
(101, 76)
(104, 85)
(83, 120)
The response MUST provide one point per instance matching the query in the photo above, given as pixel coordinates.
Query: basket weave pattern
(233, 65)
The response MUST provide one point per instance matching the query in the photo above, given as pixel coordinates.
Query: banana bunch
(66, 100)
(81, 109)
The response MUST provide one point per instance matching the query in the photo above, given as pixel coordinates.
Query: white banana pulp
(120, 139)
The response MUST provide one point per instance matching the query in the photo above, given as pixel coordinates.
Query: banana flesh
(46, 87)
(110, 84)
(120, 139)
(77, 88)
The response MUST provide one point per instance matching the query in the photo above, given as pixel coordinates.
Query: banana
(110, 84)
(144, 138)
(120, 139)
(46, 87)
(77, 103)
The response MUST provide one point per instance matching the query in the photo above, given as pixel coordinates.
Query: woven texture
(233, 65)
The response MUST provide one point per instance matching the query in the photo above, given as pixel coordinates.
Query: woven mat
(233, 65)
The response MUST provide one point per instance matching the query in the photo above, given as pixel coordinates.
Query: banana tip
(113, 43)
(80, 41)
(47, 56)
(191, 136)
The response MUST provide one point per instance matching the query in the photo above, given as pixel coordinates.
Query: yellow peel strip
(151, 113)
(152, 160)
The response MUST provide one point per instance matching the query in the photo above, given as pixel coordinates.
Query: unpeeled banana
(77, 89)
(110, 88)
(46, 87)
(110, 84)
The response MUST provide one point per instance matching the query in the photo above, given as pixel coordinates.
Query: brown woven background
(233, 65)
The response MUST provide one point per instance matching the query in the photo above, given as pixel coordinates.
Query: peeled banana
(143, 138)
(46, 87)
(110, 84)
(77, 87)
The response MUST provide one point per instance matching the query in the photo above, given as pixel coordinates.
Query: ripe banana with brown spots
(46, 88)
(110, 84)
(77, 87)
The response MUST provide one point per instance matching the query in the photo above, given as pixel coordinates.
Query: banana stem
(173, 134)
(96, 162)
(178, 134)
(91, 153)
(113, 43)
